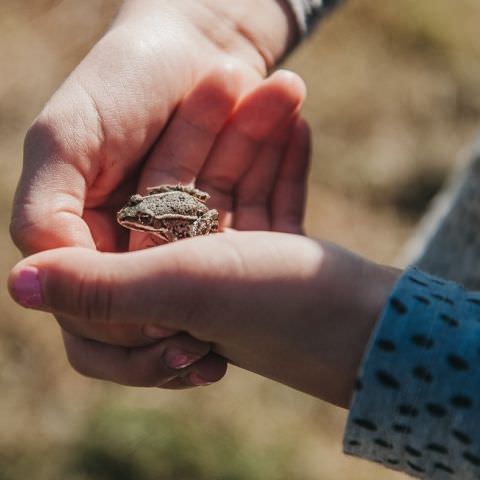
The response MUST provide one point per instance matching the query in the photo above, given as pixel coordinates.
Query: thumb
(109, 297)
(49, 200)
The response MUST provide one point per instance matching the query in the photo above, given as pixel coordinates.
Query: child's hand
(281, 305)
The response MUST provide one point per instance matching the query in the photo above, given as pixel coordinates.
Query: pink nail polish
(177, 360)
(26, 288)
(157, 333)
(196, 379)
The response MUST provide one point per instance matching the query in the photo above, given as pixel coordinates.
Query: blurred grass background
(393, 96)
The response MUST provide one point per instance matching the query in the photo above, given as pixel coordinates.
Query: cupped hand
(88, 148)
(264, 152)
(279, 304)
(211, 123)
(265, 149)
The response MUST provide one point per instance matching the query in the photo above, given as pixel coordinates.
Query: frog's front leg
(207, 223)
(161, 236)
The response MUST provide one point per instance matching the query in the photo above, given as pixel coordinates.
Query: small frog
(170, 212)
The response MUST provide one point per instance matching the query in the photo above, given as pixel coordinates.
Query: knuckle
(20, 229)
(94, 298)
(56, 133)
(40, 142)
(43, 137)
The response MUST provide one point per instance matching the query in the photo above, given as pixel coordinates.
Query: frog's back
(176, 203)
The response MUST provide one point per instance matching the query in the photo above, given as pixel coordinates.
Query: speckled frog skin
(169, 213)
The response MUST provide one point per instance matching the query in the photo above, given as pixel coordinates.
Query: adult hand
(266, 129)
(263, 150)
(100, 131)
(86, 150)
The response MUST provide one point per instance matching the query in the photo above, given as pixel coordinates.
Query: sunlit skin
(103, 135)
(269, 302)
(166, 98)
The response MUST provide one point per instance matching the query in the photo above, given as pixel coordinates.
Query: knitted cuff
(416, 404)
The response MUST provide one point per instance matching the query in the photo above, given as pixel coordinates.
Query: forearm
(269, 25)
(319, 321)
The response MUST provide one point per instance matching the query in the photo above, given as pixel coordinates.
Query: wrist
(352, 293)
(375, 285)
(257, 31)
(268, 25)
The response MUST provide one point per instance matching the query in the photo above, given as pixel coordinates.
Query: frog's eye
(145, 219)
(145, 215)
(135, 199)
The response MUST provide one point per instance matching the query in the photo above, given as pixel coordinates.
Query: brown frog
(170, 212)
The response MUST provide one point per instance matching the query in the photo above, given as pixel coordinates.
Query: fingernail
(197, 380)
(26, 288)
(177, 360)
(156, 332)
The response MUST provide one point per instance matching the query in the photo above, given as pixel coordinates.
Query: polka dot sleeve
(416, 406)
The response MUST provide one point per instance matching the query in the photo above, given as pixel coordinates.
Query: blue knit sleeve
(416, 406)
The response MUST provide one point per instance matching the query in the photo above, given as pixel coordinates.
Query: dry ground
(393, 95)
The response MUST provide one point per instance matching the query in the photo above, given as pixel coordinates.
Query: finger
(105, 231)
(173, 362)
(115, 332)
(107, 234)
(288, 197)
(258, 115)
(253, 194)
(184, 146)
(48, 203)
(91, 135)
(64, 153)
(103, 296)
(183, 285)
(208, 370)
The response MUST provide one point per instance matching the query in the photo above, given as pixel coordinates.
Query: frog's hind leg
(162, 189)
(206, 224)
(194, 192)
